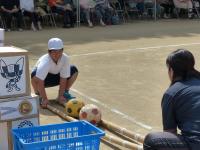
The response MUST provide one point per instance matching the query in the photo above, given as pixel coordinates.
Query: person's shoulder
(65, 54)
(64, 58)
(175, 88)
(171, 92)
(44, 59)
(181, 85)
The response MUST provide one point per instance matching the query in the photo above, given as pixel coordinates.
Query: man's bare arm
(62, 87)
(41, 88)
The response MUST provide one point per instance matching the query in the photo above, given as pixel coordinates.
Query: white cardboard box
(6, 127)
(1, 37)
(14, 72)
(18, 108)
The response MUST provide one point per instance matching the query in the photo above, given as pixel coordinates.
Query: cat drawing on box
(12, 72)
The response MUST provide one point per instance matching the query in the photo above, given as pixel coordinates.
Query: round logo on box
(25, 107)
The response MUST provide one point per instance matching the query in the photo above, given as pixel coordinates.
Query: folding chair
(49, 17)
(152, 9)
(130, 8)
(115, 4)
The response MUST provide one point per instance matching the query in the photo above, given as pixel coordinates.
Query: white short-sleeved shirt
(46, 65)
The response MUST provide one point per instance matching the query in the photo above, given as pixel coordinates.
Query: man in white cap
(54, 69)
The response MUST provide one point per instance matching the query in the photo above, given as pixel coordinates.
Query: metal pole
(77, 13)
(155, 10)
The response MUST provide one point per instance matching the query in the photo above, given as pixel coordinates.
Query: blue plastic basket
(79, 135)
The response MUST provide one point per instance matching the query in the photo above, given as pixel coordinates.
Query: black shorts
(165, 141)
(54, 79)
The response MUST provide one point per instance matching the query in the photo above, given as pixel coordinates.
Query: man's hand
(68, 7)
(61, 2)
(62, 100)
(44, 103)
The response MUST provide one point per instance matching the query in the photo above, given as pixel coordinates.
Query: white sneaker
(165, 16)
(8, 30)
(190, 15)
(33, 27)
(102, 23)
(90, 24)
(39, 25)
(20, 29)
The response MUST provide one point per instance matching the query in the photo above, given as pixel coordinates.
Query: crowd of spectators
(92, 12)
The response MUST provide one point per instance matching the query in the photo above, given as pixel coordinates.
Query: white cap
(55, 44)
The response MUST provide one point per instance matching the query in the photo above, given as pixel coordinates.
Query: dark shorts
(54, 79)
(164, 141)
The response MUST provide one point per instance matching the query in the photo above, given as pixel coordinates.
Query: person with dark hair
(168, 6)
(9, 9)
(180, 106)
(54, 69)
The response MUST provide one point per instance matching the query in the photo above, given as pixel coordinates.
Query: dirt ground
(121, 68)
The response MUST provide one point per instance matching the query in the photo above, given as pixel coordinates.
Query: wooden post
(113, 127)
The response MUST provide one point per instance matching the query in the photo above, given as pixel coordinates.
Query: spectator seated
(87, 8)
(10, 9)
(103, 11)
(65, 8)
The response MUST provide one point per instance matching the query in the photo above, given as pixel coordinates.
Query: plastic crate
(78, 135)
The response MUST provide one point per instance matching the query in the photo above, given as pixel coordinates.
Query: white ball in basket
(91, 113)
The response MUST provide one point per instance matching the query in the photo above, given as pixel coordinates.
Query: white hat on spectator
(55, 44)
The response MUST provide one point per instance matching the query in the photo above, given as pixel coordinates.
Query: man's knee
(74, 70)
(149, 143)
(34, 80)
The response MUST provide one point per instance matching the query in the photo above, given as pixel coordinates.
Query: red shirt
(52, 3)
